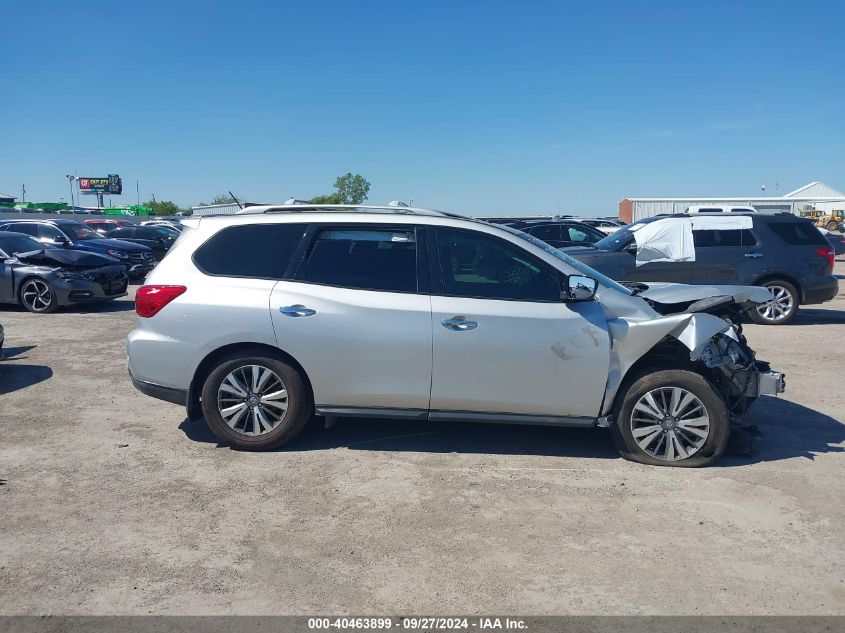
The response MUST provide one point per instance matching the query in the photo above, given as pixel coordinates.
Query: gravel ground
(112, 503)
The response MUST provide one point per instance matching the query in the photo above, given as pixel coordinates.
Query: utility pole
(23, 193)
(70, 183)
(138, 193)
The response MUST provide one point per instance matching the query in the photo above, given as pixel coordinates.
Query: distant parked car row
(137, 259)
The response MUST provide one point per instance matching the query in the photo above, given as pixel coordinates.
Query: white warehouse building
(815, 195)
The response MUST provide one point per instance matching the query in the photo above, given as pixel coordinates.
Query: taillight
(150, 299)
(827, 253)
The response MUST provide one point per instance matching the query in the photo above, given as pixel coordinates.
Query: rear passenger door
(725, 256)
(356, 314)
(240, 264)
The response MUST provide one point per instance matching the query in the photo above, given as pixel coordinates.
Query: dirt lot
(111, 502)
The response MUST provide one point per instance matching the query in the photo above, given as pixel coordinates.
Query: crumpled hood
(65, 258)
(662, 292)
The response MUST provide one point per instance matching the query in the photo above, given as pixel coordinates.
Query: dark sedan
(563, 233)
(42, 279)
(157, 240)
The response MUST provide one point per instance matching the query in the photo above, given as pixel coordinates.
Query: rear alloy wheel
(832, 225)
(781, 308)
(255, 403)
(672, 417)
(38, 296)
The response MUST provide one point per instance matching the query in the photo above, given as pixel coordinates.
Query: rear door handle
(458, 324)
(754, 254)
(297, 310)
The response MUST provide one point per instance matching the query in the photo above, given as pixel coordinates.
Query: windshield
(581, 267)
(13, 244)
(78, 231)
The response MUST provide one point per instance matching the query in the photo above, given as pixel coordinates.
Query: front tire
(783, 306)
(672, 418)
(37, 295)
(255, 402)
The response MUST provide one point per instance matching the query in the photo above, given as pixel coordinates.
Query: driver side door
(506, 347)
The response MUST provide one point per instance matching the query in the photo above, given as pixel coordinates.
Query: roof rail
(342, 208)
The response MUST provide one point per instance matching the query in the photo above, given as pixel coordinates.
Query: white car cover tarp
(667, 241)
(671, 240)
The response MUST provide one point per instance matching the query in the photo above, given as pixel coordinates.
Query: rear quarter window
(252, 250)
(801, 233)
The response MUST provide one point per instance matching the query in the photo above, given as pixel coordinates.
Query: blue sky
(477, 107)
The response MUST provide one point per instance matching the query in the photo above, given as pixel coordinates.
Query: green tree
(349, 189)
(328, 198)
(353, 189)
(163, 207)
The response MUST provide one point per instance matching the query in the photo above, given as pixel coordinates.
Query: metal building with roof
(815, 195)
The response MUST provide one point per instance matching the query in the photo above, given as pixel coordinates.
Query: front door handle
(754, 254)
(459, 324)
(297, 311)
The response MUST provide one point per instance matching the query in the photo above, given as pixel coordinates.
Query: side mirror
(580, 288)
(60, 239)
(631, 248)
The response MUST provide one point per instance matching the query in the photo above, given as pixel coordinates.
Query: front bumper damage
(744, 375)
(709, 340)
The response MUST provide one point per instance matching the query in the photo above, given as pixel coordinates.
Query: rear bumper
(160, 392)
(821, 292)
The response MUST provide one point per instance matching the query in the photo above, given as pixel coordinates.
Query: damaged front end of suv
(682, 334)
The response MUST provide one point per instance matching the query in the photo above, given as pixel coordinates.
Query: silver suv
(260, 320)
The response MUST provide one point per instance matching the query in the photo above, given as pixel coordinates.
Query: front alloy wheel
(671, 417)
(670, 423)
(38, 296)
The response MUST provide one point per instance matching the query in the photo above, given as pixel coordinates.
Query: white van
(700, 208)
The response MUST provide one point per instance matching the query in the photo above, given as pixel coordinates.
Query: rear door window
(365, 257)
(801, 233)
(260, 251)
(715, 237)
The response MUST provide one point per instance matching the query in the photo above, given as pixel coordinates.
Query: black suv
(778, 251)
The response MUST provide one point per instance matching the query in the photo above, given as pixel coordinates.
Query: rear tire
(782, 309)
(831, 226)
(673, 418)
(255, 402)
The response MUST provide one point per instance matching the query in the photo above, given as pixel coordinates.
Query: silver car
(260, 320)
